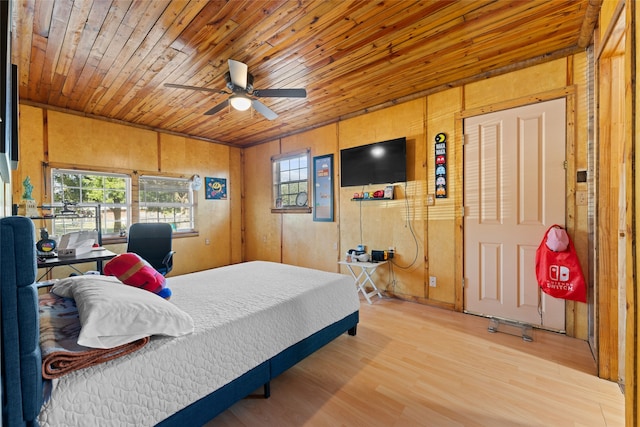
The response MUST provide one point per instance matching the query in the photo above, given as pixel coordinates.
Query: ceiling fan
(243, 95)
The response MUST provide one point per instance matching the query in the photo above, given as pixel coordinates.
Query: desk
(93, 256)
(364, 277)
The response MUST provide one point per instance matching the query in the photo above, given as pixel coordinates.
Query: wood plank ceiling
(111, 58)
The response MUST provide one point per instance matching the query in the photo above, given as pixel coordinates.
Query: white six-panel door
(514, 189)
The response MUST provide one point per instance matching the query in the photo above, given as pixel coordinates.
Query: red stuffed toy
(132, 270)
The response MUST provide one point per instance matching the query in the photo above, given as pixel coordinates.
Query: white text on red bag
(558, 272)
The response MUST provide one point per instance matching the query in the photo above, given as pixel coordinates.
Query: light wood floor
(413, 365)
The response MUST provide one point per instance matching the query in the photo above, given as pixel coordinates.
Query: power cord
(392, 278)
(413, 234)
(361, 241)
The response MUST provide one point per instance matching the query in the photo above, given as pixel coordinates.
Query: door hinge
(462, 211)
(565, 164)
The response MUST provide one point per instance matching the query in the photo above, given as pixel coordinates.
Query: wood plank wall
(400, 222)
(629, 305)
(437, 245)
(71, 141)
(309, 243)
(428, 239)
(633, 318)
(243, 228)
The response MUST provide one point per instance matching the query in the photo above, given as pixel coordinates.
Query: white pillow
(112, 313)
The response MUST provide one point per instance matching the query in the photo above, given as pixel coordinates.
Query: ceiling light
(240, 103)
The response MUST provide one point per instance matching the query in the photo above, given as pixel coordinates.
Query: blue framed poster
(323, 188)
(215, 188)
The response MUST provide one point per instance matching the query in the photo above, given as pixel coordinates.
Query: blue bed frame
(22, 363)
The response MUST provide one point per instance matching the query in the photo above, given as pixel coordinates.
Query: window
(167, 200)
(291, 182)
(110, 191)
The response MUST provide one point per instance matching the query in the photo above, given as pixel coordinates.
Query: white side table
(364, 277)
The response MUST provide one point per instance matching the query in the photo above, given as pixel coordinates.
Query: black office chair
(152, 241)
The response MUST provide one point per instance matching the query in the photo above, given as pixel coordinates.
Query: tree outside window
(78, 188)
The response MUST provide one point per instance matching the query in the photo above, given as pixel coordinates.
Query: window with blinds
(167, 200)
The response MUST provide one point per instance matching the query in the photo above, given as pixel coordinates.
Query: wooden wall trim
(571, 306)
(615, 171)
(243, 209)
(607, 231)
(159, 149)
(620, 8)
(45, 135)
(632, 415)
(111, 169)
(518, 102)
(458, 216)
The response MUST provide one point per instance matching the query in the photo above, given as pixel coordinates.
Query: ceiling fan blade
(238, 71)
(280, 93)
(205, 89)
(263, 109)
(217, 108)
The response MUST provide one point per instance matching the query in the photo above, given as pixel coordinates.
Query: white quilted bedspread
(244, 314)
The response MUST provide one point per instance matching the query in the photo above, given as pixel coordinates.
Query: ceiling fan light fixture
(243, 95)
(240, 103)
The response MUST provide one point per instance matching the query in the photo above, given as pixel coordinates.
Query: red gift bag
(558, 272)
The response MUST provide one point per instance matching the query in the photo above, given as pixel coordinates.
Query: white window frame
(292, 170)
(179, 184)
(105, 207)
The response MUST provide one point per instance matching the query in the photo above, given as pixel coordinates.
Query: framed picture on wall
(215, 188)
(323, 188)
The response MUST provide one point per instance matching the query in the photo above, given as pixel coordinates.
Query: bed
(252, 321)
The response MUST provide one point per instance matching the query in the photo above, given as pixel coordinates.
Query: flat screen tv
(382, 162)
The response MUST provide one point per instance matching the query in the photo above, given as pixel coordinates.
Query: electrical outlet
(432, 281)
(581, 198)
(431, 200)
(207, 241)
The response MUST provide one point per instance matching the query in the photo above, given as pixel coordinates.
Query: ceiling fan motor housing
(234, 88)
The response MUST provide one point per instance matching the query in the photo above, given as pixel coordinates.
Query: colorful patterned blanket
(59, 329)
